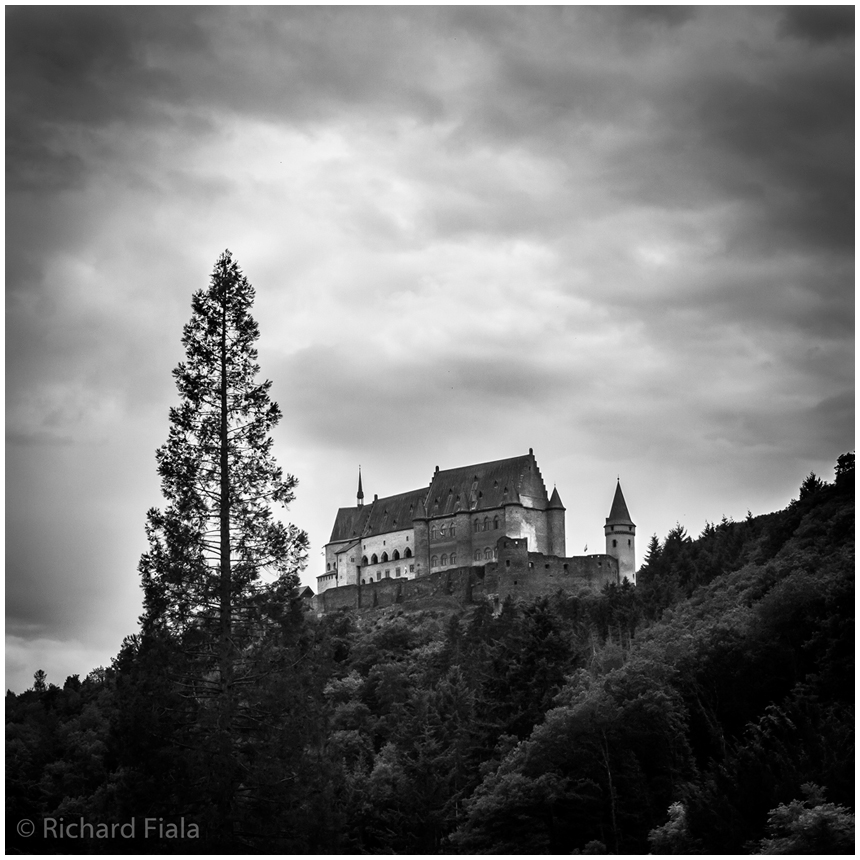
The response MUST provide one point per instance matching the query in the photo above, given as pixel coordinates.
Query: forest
(709, 709)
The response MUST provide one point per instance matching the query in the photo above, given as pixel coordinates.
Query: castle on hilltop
(490, 529)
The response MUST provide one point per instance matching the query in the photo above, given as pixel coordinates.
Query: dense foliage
(708, 710)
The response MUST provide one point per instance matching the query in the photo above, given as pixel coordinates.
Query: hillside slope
(672, 717)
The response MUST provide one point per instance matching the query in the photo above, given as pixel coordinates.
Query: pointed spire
(619, 513)
(360, 495)
(555, 500)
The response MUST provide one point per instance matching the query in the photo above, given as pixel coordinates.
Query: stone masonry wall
(517, 573)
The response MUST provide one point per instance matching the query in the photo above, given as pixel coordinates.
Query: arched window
(477, 526)
(434, 561)
(408, 553)
(432, 532)
(328, 566)
(374, 559)
(385, 556)
(364, 559)
(477, 555)
(453, 558)
(488, 553)
(486, 523)
(442, 530)
(453, 530)
(395, 555)
(444, 559)
(495, 522)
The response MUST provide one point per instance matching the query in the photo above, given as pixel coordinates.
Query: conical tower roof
(619, 514)
(555, 500)
(360, 494)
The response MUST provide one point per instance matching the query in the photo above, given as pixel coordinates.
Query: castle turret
(621, 537)
(555, 524)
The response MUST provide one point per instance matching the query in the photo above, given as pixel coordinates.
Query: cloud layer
(621, 236)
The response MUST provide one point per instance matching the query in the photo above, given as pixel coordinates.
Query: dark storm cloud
(621, 234)
(819, 23)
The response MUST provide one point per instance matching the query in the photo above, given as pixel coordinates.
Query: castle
(490, 529)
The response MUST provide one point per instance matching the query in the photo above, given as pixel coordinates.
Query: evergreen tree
(203, 575)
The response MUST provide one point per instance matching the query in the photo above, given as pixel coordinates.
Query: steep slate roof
(619, 513)
(349, 523)
(381, 516)
(467, 488)
(487, 485)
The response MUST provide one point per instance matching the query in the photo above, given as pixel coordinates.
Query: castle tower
(421, 530)
(555, 523)
(621, 537)
(359, 496)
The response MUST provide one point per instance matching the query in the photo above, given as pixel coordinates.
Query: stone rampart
(516, 573)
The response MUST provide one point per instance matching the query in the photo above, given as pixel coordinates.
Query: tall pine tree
(219, 565)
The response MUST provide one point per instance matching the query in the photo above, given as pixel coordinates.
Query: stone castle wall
(516, 573)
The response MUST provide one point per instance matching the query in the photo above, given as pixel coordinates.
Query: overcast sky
(623, 237)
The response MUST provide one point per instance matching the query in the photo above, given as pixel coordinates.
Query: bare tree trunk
(225, 615)
(604, 749)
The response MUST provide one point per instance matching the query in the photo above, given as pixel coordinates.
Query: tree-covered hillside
(708, 710)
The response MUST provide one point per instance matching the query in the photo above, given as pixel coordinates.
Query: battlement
(516, 573)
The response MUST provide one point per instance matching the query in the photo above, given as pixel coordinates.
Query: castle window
(352, 558)
(378, 575)
(328, 567)
(374, 559)
(477, 526)
(565, 565)
(507, 562)
(486, 523)
(477, 555)
(412, 568)
(453, 558)
(432, 532)
(364, 559)
(434, 561)
(488, 553)
(387, 574)
(397, 571)
(408, 553)
(395, 555)
(442, 530)
(629, 543)
(385, 556)
(444, 559)
(614, 543)
(495, 522)
(531, 565)
(453, 530)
